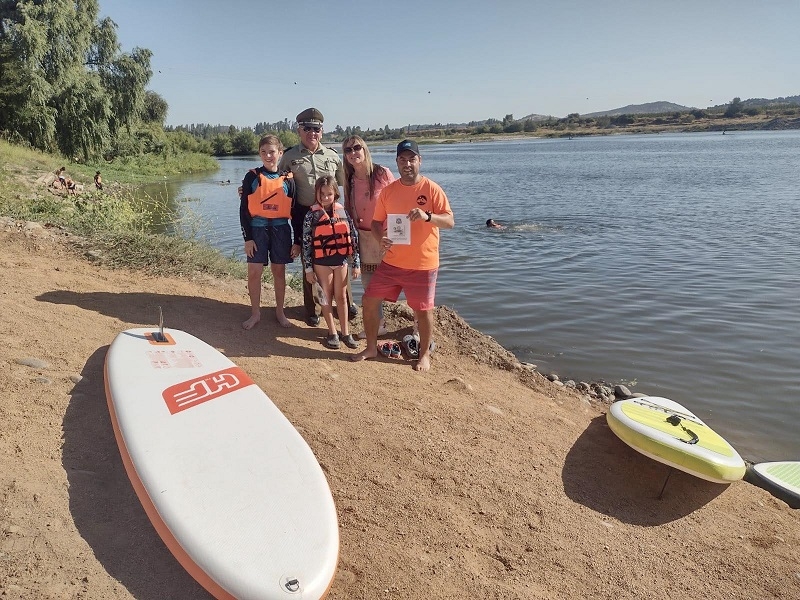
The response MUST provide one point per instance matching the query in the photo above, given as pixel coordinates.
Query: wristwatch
(428, 220)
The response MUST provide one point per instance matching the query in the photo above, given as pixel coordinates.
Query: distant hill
(535, 117)
(755, 102)
(649, 108)
(667, 107)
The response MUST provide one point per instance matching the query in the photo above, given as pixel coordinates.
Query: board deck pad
(670, 433)
(781, 478)
(230, 485)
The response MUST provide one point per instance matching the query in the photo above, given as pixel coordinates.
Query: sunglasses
(353, 148)
(314, 129)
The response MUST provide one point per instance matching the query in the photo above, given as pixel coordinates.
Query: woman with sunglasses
(363, 182)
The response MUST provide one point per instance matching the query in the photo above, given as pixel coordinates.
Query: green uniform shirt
(307, 168)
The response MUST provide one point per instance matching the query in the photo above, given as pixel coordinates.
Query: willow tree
(75, 89)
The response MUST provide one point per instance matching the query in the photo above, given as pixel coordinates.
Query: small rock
(552, 377)
(620, 391)
(33, 363)
(570, 383)
(582, 386)
(76, 378)
(460, 383)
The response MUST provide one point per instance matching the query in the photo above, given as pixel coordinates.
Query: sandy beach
(479, 479)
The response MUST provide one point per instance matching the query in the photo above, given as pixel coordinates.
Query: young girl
(329, 239)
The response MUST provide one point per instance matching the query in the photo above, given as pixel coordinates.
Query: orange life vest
(269, 200)
(330, 237)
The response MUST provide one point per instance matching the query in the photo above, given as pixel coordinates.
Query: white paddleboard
(669, 433)
(781, 478)
(230, 485)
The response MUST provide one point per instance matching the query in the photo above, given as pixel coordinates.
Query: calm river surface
(668, 262)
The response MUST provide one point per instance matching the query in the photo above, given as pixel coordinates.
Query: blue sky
(375, 63)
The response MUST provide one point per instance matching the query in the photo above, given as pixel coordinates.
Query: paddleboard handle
(675, 420)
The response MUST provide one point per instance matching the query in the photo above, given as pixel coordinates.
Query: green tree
(245, 142)
(125, 79)
(222, 145)
(735, 108)
(68, 71)
(155, 108)
(288, 138)
(82, 117)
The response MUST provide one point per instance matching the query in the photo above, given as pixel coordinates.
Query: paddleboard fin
(159, 335)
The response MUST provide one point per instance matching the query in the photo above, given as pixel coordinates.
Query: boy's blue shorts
(273, 244)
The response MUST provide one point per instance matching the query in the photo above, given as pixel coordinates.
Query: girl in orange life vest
(329, 240)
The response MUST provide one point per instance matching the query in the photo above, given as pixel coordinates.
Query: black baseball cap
(407, 145)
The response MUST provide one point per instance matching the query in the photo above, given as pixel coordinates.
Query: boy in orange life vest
(264, 214)
(329, 239)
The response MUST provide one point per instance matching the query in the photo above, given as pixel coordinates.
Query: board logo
(190, 393)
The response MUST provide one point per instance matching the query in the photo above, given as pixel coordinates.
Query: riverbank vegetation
(115, 226)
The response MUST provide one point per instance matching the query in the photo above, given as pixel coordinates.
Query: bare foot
(364, 355)
(282, 320)
(251, 322)
(423, 363)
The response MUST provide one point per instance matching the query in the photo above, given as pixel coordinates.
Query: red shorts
(419, 286)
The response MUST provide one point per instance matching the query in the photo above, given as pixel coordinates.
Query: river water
(667, 262)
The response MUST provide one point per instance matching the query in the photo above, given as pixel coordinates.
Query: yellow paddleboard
(669, 433)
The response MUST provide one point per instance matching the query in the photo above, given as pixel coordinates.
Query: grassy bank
(115, 222)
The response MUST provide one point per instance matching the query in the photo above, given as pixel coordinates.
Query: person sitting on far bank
(265, 210)
(329, 240)
(308, 161)
(98, 181)
(363, 182)
(492, 224)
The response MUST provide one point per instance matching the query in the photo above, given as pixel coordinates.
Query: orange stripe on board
(161, 528)
(188, 394)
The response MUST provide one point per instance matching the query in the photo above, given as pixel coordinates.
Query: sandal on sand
(411, 346)
(390, 350)
(332, 341)
(349, 341)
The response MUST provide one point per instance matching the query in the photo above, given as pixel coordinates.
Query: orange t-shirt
(423, 252)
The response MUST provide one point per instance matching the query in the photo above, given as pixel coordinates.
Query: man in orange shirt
(414, 208)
